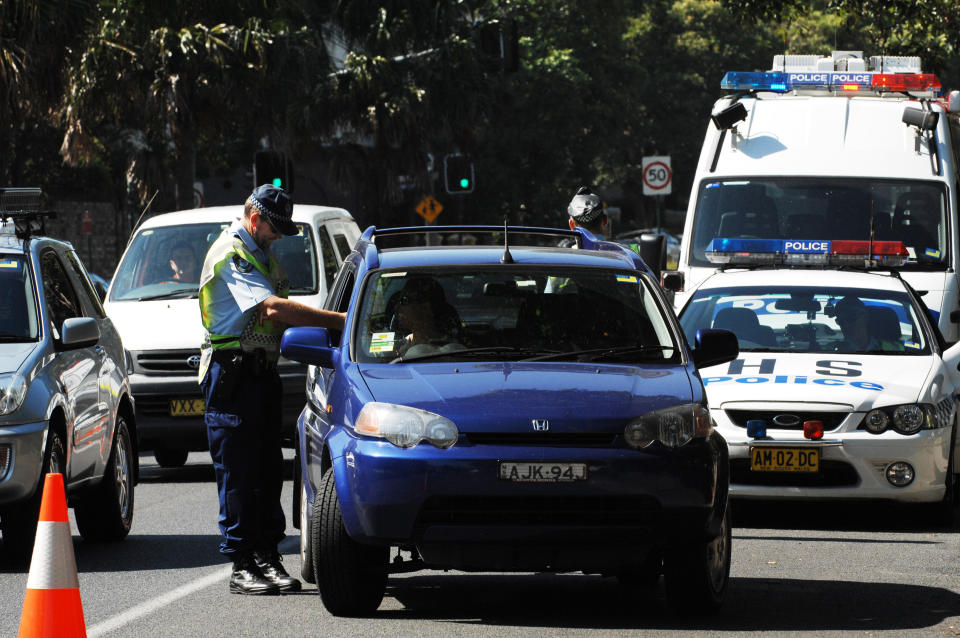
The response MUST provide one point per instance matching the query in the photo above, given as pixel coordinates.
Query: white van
(833, 148)
(153, 303)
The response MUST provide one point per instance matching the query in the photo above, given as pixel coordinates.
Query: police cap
(277, 205)
(585, 207)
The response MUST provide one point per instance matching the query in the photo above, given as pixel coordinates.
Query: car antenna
(145, 209)
(506, 258)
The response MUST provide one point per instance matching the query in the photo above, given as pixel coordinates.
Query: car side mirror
(311, 345)
(672, 280)
(79, 332)
(713, 347)
(653, 252)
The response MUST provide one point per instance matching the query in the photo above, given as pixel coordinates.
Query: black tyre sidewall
(98, 512)
(687, 575)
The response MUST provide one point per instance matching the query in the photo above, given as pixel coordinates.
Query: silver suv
(65, 401)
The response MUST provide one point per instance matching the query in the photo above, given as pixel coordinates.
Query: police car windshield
(18, 310)
(165, 262)
(814, 319)
(511, 313)
(911, 211)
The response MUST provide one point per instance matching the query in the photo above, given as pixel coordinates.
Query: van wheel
(351, 577)
(696, 576)
(106, 512)
(170, 457)
(19, 522)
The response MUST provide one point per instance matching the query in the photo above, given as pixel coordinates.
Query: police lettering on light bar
(810, 252)
(782, 82)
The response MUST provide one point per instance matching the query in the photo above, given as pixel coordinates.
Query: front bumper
(22, 476)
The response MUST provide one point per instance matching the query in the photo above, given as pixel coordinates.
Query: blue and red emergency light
(849, 82)
(805, 252)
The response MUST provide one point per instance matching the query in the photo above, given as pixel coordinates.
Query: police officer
(586, 210)
(244, 308)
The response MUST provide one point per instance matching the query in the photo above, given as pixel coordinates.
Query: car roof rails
(22, 207)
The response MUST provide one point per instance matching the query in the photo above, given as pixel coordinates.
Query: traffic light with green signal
(458, 174)
(273, 167)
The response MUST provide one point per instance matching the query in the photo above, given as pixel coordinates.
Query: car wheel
(644, 577)
(306, 534)
(351, 577)
(948, 510)
(170, 457)
(105, 513)
(19, 522)
(696, 576)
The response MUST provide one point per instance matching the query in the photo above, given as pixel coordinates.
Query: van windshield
(910, 211)
(165, 262)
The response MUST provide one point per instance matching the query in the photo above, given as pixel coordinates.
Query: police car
(507, 407)
(843, 388)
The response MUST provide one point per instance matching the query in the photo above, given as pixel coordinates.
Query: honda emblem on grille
(194, 361)
(787, 420)
(541, 425)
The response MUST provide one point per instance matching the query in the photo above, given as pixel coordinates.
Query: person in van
(183, 263)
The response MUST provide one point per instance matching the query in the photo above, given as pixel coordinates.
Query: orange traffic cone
(52, 604)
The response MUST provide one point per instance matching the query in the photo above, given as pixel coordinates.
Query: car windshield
(814, 319)
(511, 313)
(910, 211)
(18, 310)
(165, 263)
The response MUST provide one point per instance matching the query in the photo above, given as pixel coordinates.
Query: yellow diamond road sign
(429, 208)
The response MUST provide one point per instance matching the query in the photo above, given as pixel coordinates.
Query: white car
(812, 412)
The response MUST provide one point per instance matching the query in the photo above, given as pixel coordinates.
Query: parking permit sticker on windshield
(627, 279)
(932, 252)
(9, 263)
(381, 342)
(912, 344)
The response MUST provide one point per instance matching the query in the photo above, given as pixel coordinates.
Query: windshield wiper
(478, 351)
(603, 353)
(8, 338)
(173, 294)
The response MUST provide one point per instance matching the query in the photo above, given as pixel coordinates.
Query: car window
(18, 308)
(339, 298)
(298, 256)
(62, 302)
(811, 319)
(562, 313)
(328, 256)
(89, 296)
(343, 244)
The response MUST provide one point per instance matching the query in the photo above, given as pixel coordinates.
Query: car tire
(170, 457)
(947, 511)
(696, 576)
(306, 531)
(19, 522)
(351, 577)
(105, 512)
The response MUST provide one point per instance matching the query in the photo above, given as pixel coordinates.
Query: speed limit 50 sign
(657, 176)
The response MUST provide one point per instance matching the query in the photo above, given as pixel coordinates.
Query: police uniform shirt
(239, 287)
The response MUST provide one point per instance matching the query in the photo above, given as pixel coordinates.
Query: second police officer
(244, 309)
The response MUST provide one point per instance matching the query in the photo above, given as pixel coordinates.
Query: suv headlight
(13, 387)
(671, 426)
(404, 426)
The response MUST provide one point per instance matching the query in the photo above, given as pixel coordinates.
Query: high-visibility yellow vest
(258, 332)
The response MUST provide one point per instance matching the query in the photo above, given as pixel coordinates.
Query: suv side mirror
(309, 344)
(713, 347)
(79, 332)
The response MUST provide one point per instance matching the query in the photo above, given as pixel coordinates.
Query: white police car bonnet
(277, 205)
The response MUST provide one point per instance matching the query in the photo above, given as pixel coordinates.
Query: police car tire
(351, 577)
(19, 522)
(105, 513)
(306, 528)
(948, 510)
(696, 576)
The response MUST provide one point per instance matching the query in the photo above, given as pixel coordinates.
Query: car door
(77, 369)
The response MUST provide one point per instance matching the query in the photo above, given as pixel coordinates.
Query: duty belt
(252, 362)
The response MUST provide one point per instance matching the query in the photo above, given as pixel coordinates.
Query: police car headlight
(908, 419)
(671, 426)
(13, 388)
(876, 422)
(404, 426)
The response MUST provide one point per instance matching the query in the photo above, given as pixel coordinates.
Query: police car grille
(591, 511)
(831, 420)
(831, 474)
(165, 362)
(551, 439)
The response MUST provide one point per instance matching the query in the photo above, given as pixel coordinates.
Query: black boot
(272, 569)
(248, 579)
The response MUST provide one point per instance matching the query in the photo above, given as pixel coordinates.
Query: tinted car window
(329, 257)
(298, 256)
(18, 308)
(89, 295)
(343, 244)
(62, 302)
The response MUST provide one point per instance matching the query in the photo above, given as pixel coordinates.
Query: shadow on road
(847, 516)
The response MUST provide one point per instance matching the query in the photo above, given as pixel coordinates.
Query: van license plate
(523, 472)
(784, 459)
(187, 407)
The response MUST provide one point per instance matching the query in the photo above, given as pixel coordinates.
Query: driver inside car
(426, 322)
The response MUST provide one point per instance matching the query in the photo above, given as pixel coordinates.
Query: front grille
(831, 474)
(166, 361)
(543, 510)
(548, 439)
(831, 420)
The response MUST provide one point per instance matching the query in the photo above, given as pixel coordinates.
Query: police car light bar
(844, 82)
(806, 252)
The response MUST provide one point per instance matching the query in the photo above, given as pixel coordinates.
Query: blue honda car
(507, 406)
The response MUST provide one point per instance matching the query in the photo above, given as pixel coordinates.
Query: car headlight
(671, 426)
(876, 422)
(910, 418)
(404, 426)
(13, 388)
